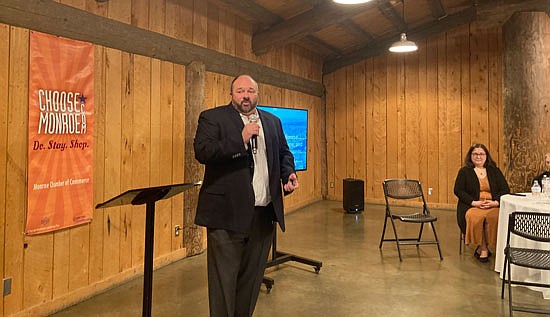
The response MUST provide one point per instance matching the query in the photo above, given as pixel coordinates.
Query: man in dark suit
(247, 161)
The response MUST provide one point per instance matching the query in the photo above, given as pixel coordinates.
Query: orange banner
(61, 120)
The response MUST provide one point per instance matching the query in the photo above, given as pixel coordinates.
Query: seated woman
(478, 186)
(547, 166)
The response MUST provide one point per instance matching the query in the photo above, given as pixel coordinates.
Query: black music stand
(147, 196)
(278, 257)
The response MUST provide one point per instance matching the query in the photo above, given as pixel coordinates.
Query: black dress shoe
(483, 260)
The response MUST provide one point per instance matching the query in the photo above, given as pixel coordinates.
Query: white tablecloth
(509, 204)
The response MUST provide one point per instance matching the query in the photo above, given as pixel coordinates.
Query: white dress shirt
(260, 180)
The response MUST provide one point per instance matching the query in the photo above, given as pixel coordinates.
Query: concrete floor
(356, 279)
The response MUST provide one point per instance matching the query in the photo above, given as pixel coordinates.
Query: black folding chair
(533, 226)
(407, 189)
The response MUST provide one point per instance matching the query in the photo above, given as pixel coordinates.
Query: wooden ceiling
(345, 34)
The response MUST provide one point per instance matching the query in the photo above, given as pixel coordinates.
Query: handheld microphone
(254, 140)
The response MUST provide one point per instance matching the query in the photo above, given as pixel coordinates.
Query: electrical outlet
(177, 230)
(6, 286)
(430, 191)
(331, 185)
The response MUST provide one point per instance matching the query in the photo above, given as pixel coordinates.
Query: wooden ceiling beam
(361, 35)
(380, 47)
(437, 9)
(389, 12)
(323, 45)
(496, 12)
(304, 24)
(54, 18)
(250, 11)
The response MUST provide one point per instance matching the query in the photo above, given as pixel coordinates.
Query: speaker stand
(278, 257)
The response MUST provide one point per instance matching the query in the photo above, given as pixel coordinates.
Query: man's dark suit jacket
(226, 198)
(467, 190)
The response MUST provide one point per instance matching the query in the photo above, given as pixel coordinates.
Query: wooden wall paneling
(165, 221)
(119, 11)
(495, 114)
(127, 86)
(163, 227)
(140, 14)
(122, 11)
(479, 85)
(413, 145)
(359, 105)
(228, 34)
(213, 27)
(79, 257)
(330, 84)
(380, 124)
(200, 22)
(99, 8)
(243, 40)
(178, 141)
(466, 130)
(392, 156)
(38, 267)
(61, 247)
(157, 12)
(16, 167)
(112, 157)
(369, 121)
(340, 133)
(399, 93)
(155, 122)
(500, 97)
(81, 4)
(454, 109)
(442, 116)
(141, 149)
(209, 92)
(184, 19)
(320, 162)
(4, 84)
(171, 18)
(425, 143)
(349, 127)
(432, 123)
(97, 224)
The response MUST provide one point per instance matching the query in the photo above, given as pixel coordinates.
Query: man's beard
(244, 108)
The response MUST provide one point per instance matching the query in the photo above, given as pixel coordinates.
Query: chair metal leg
(504, 276)
(437, 240)
(510, 288)
(396, 239)
(420, 234)
(383, 232)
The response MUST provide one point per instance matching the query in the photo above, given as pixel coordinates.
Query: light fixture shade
(403, 45)
(351, 1)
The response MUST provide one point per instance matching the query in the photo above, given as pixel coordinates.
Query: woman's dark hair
(468, 159)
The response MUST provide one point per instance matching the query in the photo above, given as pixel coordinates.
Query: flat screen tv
(295, 129)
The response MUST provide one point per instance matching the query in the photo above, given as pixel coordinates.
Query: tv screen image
(294, 123)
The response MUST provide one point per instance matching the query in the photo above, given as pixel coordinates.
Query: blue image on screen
(294, 123)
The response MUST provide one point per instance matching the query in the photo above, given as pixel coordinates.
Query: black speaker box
(354, 198)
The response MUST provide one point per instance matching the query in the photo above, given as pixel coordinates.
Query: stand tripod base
(282, 257)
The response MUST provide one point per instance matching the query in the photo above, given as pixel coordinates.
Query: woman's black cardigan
(467, 190)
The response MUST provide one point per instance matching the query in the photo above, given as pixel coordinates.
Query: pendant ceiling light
(403, 45)
(350, 1)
